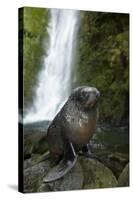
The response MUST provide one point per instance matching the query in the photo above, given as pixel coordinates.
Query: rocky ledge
(88, 173)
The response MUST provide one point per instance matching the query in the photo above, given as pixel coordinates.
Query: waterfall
(55, 78)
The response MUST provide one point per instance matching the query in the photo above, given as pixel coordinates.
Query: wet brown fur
(75, 123)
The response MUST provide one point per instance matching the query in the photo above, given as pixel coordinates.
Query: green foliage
(103, 62)
(33, 28)
(103, 57)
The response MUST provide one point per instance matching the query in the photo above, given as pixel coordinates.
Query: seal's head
(86, 97)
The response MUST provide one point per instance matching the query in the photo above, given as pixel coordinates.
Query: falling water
(56, 76)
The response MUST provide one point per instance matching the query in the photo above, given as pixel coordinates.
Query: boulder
(33, 179)
(96, 175)
(34, 143)
(71, 181)
(123, 179)
(33, 176)
(86, 174)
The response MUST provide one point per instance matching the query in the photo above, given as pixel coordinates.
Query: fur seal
(71, 130)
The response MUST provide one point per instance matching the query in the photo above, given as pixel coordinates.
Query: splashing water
(55, 79)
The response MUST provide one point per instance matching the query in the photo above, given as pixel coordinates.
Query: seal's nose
(97, 94)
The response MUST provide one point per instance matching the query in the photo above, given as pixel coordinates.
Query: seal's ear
(80, 95)
(76, 95)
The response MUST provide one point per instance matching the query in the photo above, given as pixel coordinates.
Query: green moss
(123, 179)
(96, 175)
(34, 38)
(103, 62)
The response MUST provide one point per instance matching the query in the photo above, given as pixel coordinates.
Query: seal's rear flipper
(62, 168)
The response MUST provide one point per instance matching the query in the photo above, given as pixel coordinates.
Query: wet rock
(71, 181)
(120, 157)
(34, 159)
(86, 174)
(27, 163)
(33, 179)
(123, 179)
(33, 176)
(41, 146)
(96, 175)
(34, 143)
(114, 161)
(28, 148)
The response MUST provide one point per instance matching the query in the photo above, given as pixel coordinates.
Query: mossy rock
(73, 180)
(41, 146)
(86, 174)
(96, 175)
(36, 171)
(34, 160)
(123, 179)
(28, 148)
(33, 176)
(34, 143)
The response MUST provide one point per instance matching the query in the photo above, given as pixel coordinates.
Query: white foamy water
(56, 76)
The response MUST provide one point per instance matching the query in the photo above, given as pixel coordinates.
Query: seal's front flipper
(62, 168)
